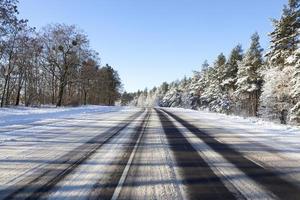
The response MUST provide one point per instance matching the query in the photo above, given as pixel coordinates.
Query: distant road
(150, 153)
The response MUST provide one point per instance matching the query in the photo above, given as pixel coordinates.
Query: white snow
(25, 115)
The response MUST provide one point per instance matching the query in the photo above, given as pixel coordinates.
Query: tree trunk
(85, 97)
(7, 91)
(18, 96)
(254, 102)
(19, 90)
(60, 93)
(4, 91)
(61, 88)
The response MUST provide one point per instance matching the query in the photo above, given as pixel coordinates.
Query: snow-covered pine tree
(229, 75)
(164, 88)
(197, 86)
(217, 98)
(203, 84)
(220, 64)
(276, 99)
(249, 80)
(188, 97)
(194, 85)
(173, 97)
(295, 89)
(285, 36)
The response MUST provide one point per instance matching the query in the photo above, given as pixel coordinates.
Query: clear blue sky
(151, 41)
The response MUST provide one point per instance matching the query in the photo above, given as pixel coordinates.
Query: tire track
(112, 189)
(123, 178)
(198, 177)
(153, 174)
(37, 187)
(269, 179)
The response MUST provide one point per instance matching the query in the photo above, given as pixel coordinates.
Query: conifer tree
(276, 99)
(295, 89)
(217, 96)
(248, 78)
(229, 76)
(230, 71)
(285, 37)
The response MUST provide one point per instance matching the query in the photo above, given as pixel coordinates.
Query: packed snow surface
(284, 138)
(34, 139)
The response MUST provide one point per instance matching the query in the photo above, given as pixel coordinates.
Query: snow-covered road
(134, 153)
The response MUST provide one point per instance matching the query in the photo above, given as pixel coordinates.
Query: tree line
(248, 83)
(54, 65)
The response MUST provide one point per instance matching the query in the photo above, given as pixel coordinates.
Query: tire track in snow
(198, 177)
(112, 189)
(153, 174)
(141, 131)
(268, 179)
(37, 187)
(234, 179)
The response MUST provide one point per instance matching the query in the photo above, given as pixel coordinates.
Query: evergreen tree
(164, 87)
(126, 98)
(295, 89)
(203, 83)
(206, 82)
(285, 37)
(249, 80)
(218, 101)
(220, 65)
(229, 76)
(230, 71)
(277, 98)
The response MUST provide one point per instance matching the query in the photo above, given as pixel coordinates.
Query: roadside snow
(251, 123)
(26, 115)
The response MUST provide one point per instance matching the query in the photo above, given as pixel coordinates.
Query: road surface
(150, 153)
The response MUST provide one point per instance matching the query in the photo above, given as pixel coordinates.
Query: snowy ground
(14, 121)
(24, 115)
